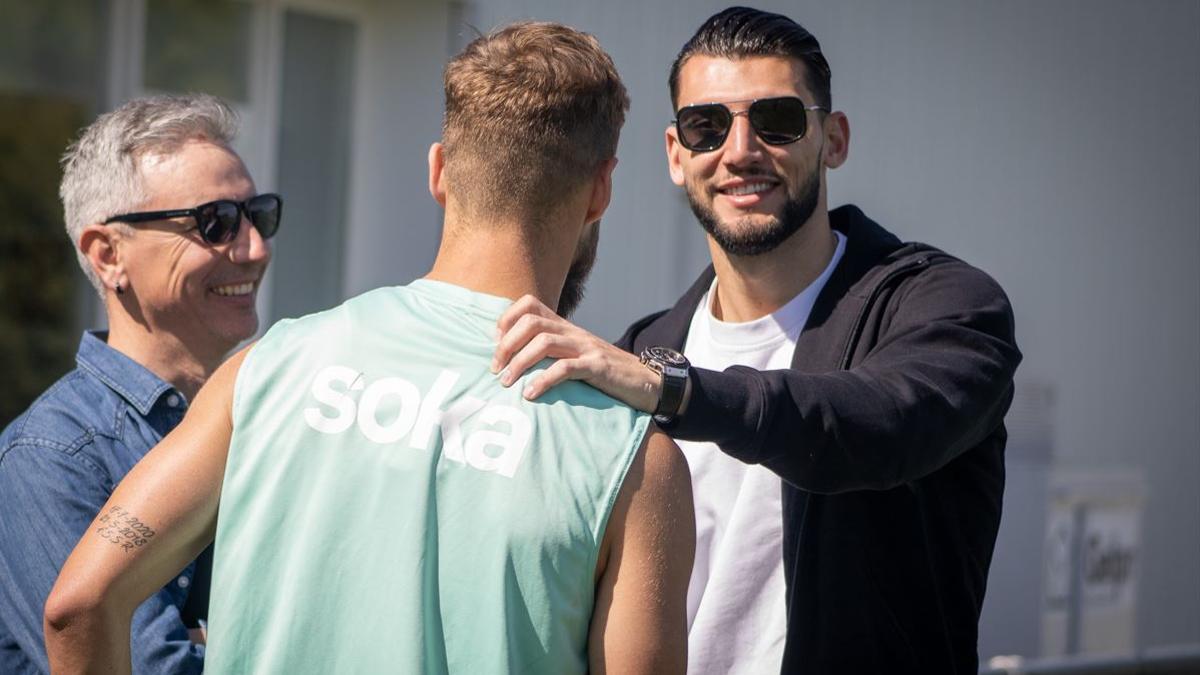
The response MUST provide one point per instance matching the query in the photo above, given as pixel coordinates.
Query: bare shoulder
(663, 468)
(656, 497)
(228, 371)
(217, 392)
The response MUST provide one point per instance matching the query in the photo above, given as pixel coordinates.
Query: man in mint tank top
(380, 503)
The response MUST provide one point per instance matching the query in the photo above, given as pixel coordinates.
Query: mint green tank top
(388, 507)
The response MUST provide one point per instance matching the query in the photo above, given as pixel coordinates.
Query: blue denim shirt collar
(128, 378)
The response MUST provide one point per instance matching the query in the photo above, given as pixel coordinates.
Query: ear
(99, 244)
(437, 166)
(674, 149)
(837, 139)
(601, 190)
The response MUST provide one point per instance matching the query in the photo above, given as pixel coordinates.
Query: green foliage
(38, 277)
(53, 45)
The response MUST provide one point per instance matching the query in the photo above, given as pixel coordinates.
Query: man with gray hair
(169, 228)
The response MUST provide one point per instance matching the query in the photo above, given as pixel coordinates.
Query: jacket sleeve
(937, 382)
(625, 342)
(50, 499)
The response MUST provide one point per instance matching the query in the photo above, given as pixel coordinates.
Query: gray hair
(101, 176)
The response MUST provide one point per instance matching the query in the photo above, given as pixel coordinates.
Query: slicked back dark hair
(743, 32)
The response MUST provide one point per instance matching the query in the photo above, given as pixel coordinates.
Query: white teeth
(235, 289)
(748, 189)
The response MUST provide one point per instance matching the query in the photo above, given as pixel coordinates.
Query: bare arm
(158, 519)
(639, 624)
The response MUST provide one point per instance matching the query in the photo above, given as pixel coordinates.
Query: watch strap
(674, 383)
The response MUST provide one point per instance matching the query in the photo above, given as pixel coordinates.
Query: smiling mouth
(747, 189)
(234, 290)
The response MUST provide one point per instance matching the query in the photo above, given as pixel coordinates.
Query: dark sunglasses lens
(703, 127)
(264, 211)
(219, 221)
(779, 120)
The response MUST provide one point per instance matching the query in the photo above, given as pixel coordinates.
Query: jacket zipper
(862, 314)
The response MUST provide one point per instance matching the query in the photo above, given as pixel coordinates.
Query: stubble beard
(745, 238)
(581, 267)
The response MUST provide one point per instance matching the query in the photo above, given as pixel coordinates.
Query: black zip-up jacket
(888, 433)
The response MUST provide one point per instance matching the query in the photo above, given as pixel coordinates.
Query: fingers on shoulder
(526, 304)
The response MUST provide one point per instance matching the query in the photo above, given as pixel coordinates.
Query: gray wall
(1054, 144)
(394, 224)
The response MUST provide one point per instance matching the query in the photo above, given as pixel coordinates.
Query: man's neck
(751, 287)
(163, 354)
(501, 261)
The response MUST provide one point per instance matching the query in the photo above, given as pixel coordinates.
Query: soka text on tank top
(496, 443)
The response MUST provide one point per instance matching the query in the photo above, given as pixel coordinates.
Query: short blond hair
(532, 111)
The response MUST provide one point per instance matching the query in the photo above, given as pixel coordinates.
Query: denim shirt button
(183, 582)
(173, 400)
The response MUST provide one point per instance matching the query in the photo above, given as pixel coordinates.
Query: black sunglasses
(219, 221)
(777, 121)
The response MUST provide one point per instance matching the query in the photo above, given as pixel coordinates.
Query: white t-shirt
(736, 618)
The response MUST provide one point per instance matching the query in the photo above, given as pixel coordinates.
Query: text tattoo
(120, 527)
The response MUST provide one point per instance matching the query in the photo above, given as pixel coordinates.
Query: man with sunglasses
(842, 411)
(170, 231)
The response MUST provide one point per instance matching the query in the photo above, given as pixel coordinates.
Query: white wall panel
(394, 223)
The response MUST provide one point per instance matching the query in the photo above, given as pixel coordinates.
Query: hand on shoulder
(529, 331)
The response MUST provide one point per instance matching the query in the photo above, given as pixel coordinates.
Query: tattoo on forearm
(120, 527)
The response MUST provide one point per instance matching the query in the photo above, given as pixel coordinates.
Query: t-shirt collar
(787, 320)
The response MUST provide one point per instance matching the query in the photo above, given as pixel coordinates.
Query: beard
(581, 267)
(744, 238)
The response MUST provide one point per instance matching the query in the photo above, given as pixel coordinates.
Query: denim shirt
(59, 463)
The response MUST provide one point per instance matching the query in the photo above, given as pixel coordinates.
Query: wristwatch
(673, 367)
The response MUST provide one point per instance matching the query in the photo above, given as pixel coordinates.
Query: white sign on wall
(1091, 559)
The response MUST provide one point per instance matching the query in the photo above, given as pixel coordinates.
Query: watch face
(667, 356)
